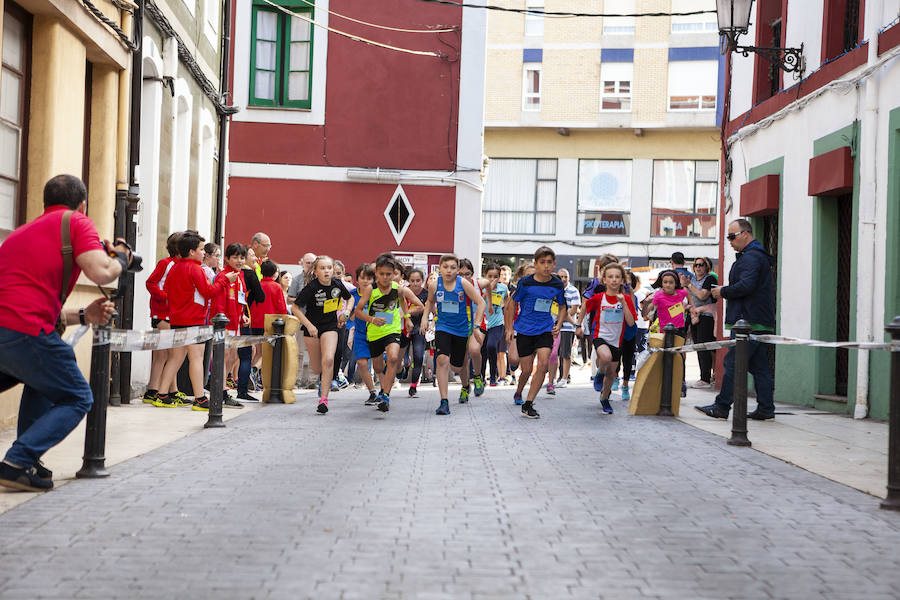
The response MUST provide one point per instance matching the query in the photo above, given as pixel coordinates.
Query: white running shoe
(701, 385)
(561, 382)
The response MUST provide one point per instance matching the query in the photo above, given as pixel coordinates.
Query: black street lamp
(734, 21)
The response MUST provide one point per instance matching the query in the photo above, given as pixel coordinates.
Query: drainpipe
(868, 195)
(224, 74)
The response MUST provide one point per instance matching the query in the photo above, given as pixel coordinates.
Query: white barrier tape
(697, 347)
(779, 339)
(242, 341)
(128, 340)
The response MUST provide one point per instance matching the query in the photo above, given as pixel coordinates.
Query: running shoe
(517, 399)
(478, 382)
(626, 394)
(561, 383)
(444, 408)
(335, 386)
(551, 389)
(323, 406)
(464, 395)
(182, 400)
(607, 407)
(149, 397)
(229, 402)
(256, 378)
(384, 402)
(528, 411)
(615, 385)
(166, 401)
(701, 385)
(493, 382)
(231, 383)
(413, 393)
(201, 404)
(342, 381)
(373, 399)
(598, 382)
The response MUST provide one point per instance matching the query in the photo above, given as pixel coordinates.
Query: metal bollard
(892, 502)
(93, 465)
(275, 394)
(665, 402)
(741, 356)
(217, 372)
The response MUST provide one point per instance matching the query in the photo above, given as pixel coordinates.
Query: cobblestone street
(481, 504)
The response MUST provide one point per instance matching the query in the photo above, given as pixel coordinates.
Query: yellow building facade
(602, 132)
(64, 109)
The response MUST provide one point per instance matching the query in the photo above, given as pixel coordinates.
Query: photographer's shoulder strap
(68, 262)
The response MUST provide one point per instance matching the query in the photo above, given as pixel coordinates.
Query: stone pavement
(481, 504)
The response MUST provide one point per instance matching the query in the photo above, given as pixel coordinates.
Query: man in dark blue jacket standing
(750, 296)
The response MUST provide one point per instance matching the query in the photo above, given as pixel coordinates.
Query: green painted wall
(879, 363)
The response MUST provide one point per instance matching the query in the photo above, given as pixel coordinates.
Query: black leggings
(703, 331)
(627, 359)
(417, 357)
(489, 351)
(339, 351)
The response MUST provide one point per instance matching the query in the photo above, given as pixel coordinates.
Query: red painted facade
(382, 109)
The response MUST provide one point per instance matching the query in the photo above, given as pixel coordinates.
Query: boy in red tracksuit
(159, 314)
(188, 292)
(274, 304)
(230, 302)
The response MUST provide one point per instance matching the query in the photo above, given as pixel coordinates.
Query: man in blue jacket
(750, 296)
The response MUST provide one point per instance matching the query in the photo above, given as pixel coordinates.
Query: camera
(134, 267)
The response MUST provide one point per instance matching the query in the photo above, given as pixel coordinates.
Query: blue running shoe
(615, 385)
(464, 395)
(444, 408)
(517, 399)
(479, 385)
(598, 382)
(384, 402)
(626, 394)
(607, 407)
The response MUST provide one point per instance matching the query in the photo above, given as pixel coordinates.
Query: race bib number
(542, 305)
(387, 316)
(242, 298)
(496, 299)
(554, 309)
(332, 305)
(613, 315)
(449, 307)
(676, 309)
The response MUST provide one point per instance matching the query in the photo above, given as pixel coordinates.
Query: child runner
(567, 333)
(188, 291)
(478, 331)
(322, 299)
(495, 297)
(613, 309)
(511, 311)
(159, 316)
(230, 302)
(383, 307)
(415, 336)
(365, 275)
(670, 303)
(502, 348)
(448, 294)
(534, 326)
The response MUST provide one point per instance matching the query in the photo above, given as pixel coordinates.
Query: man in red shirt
(188, 292)
(56, 395)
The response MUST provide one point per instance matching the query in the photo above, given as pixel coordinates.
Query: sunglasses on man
(730, 237)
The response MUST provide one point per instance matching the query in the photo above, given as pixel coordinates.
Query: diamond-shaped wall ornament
(399, 214)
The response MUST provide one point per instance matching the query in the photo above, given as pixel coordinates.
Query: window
(843, 27)
(520, 196)
(212, 18)
(704, 23)
(14, 91)
(604, 197)
(618, 25)
(534, 24)
(685, 196)
(693, 84)
(531, 92)
(616, 81)
(281, 56)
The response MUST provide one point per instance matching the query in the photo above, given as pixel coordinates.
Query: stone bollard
(665, 401)
(93, 465)
(892, 502)
(741, 357)
(217, 372)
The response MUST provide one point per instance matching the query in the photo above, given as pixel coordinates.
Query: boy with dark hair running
(534, 326)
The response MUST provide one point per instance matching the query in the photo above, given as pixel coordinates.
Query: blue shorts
(361, 346)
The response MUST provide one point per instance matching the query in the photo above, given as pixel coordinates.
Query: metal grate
(774, 71)
(842, 329)
(770, 243)
(851, 24)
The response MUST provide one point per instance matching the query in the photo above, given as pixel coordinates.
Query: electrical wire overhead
(566, 14)
(386, 27)
(355, 37)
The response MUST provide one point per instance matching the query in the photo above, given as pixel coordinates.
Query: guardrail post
(93, 465)
(665, 401)
(217, 372)
(275, 394)
(892, 502)
(741, 356)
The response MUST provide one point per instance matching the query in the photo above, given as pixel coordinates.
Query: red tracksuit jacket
(159, 300)
(188, 291)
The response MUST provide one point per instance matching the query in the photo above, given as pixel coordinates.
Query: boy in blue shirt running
(541, 300)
